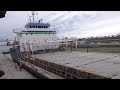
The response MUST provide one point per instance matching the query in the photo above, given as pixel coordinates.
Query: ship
(36, 37)
(60, 64)
(38, 34)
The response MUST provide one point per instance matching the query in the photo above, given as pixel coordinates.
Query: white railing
(18, 30)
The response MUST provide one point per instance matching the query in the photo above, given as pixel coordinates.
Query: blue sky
(67, 23)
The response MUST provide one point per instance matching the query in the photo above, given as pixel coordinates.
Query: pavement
(8, 66)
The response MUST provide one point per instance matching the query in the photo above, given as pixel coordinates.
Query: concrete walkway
(8, 66)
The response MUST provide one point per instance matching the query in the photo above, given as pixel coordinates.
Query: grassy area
(103, 49)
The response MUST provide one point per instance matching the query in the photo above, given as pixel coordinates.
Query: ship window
(30, 27)
(41, 26)
(33, 26)
(38, 26)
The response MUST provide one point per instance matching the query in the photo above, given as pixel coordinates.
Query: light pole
(87, 44)
(76, 43)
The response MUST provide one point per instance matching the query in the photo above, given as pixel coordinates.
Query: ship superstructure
(39, 34)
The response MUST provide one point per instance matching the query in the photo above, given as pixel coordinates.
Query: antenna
(29, 18)
(33, 14)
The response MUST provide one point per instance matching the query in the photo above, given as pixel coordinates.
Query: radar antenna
(33, 15)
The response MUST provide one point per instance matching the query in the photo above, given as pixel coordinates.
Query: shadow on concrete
(1, 73)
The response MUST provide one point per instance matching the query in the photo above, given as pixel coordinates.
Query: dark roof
(38, 24)
(2, 14)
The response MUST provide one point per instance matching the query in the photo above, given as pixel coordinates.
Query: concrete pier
(8, 66)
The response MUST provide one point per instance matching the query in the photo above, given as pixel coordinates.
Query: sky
(79, 24)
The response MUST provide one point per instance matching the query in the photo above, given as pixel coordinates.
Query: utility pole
(87, 44)
(76, 43)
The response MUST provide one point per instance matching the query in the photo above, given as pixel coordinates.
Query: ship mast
(33, 14)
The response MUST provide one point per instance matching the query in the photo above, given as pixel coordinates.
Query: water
(3, 43)
(4, 47)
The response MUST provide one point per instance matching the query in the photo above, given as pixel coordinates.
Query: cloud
(96, 24)
(69, 23)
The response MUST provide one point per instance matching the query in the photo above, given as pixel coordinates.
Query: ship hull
(15, 55)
